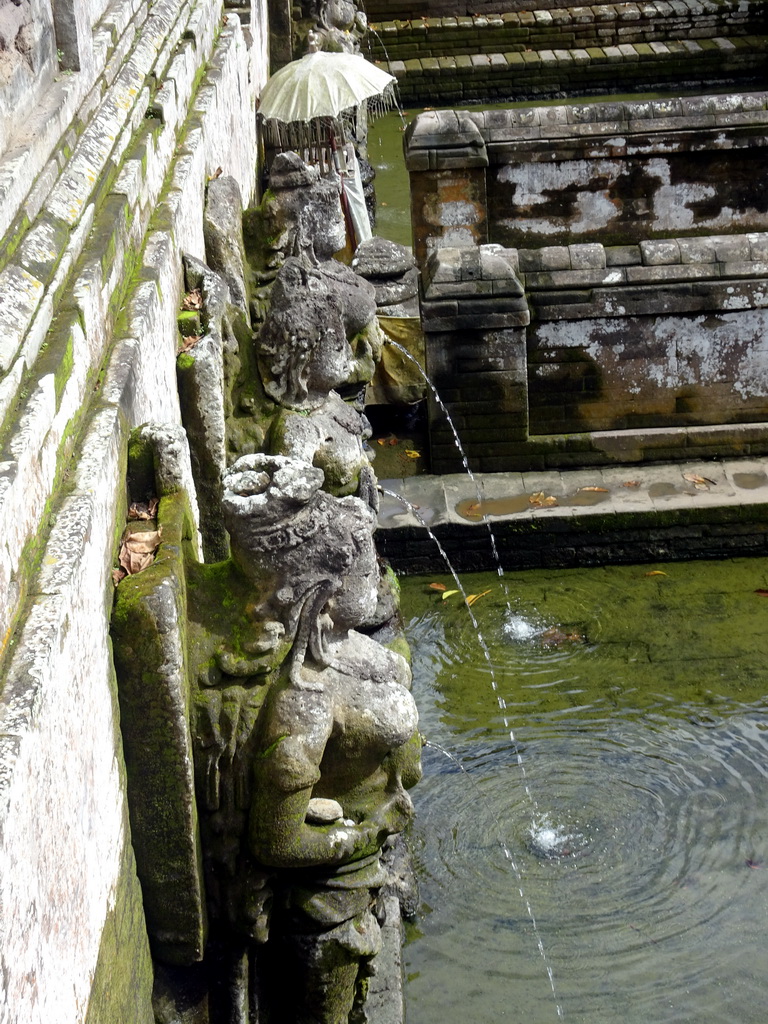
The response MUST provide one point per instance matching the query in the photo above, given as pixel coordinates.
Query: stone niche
(635, 233)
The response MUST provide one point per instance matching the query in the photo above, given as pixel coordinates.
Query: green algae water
(639, 705)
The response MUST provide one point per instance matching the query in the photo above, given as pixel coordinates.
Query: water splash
(515, 870)
(520, 629)
(550, 841)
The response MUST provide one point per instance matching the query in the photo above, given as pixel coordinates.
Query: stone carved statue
(300, 214)
(320, 333)
(339, 25)
(336, 746)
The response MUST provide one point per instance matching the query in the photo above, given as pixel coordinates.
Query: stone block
(552, 257)
(660, 252)
(696, 250)
(730, 248)
(589, 256)
(623, 255)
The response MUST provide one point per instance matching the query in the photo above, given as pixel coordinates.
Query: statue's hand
(350, 841)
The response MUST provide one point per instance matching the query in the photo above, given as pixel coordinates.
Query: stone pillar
(446, 156)
(474, 316)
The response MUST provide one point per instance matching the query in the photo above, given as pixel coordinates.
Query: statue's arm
(287, 768)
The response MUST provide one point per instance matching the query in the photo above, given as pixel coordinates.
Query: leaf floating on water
(540, 500)
(137, 550)
(656, 572)
(449, 593)
(700, 482)
(412, 453)
(471, 598)
(474, 510)
(598, 490)
(437, 586)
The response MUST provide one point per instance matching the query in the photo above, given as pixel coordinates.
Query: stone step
(736, 62)
(565, 28)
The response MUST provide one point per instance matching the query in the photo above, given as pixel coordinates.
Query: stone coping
(653, 260)
(586, 516)
(435, 128)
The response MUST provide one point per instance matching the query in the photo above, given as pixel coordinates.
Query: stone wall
(641, 333)
(612, 172)
(102, 182)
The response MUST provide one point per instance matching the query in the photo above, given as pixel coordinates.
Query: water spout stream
(508, 726)
(460, 447)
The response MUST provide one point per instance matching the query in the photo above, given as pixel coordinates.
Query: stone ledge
(626, 524)
(67, 359)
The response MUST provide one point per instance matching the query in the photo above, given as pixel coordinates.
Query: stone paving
(592, 516)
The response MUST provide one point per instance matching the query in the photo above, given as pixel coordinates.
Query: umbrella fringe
(316, 133)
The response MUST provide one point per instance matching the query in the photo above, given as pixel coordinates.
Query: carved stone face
(331, 363)
(341, 13)
(355, 603)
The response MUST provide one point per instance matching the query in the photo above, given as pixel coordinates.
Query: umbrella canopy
(323, 85)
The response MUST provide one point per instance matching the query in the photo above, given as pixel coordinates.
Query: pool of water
(629, 807)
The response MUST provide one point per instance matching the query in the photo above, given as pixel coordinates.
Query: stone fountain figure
(338, 24)
(253, 693)
(336, 745)
(307, 349)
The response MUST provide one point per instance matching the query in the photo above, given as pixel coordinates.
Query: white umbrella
(319, 87)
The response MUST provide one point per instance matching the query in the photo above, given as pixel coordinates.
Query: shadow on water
(640, 710)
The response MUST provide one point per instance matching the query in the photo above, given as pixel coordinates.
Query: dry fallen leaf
(600, 490)
(412, 453)
(471, 598)
(144, 509)
(701, 482)
(189, 342)
(437, 586)
(137, 550)
(118, 574)
(656, 572)
(449, 593)
(193, 300)
(762, 593)
(631, 483)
